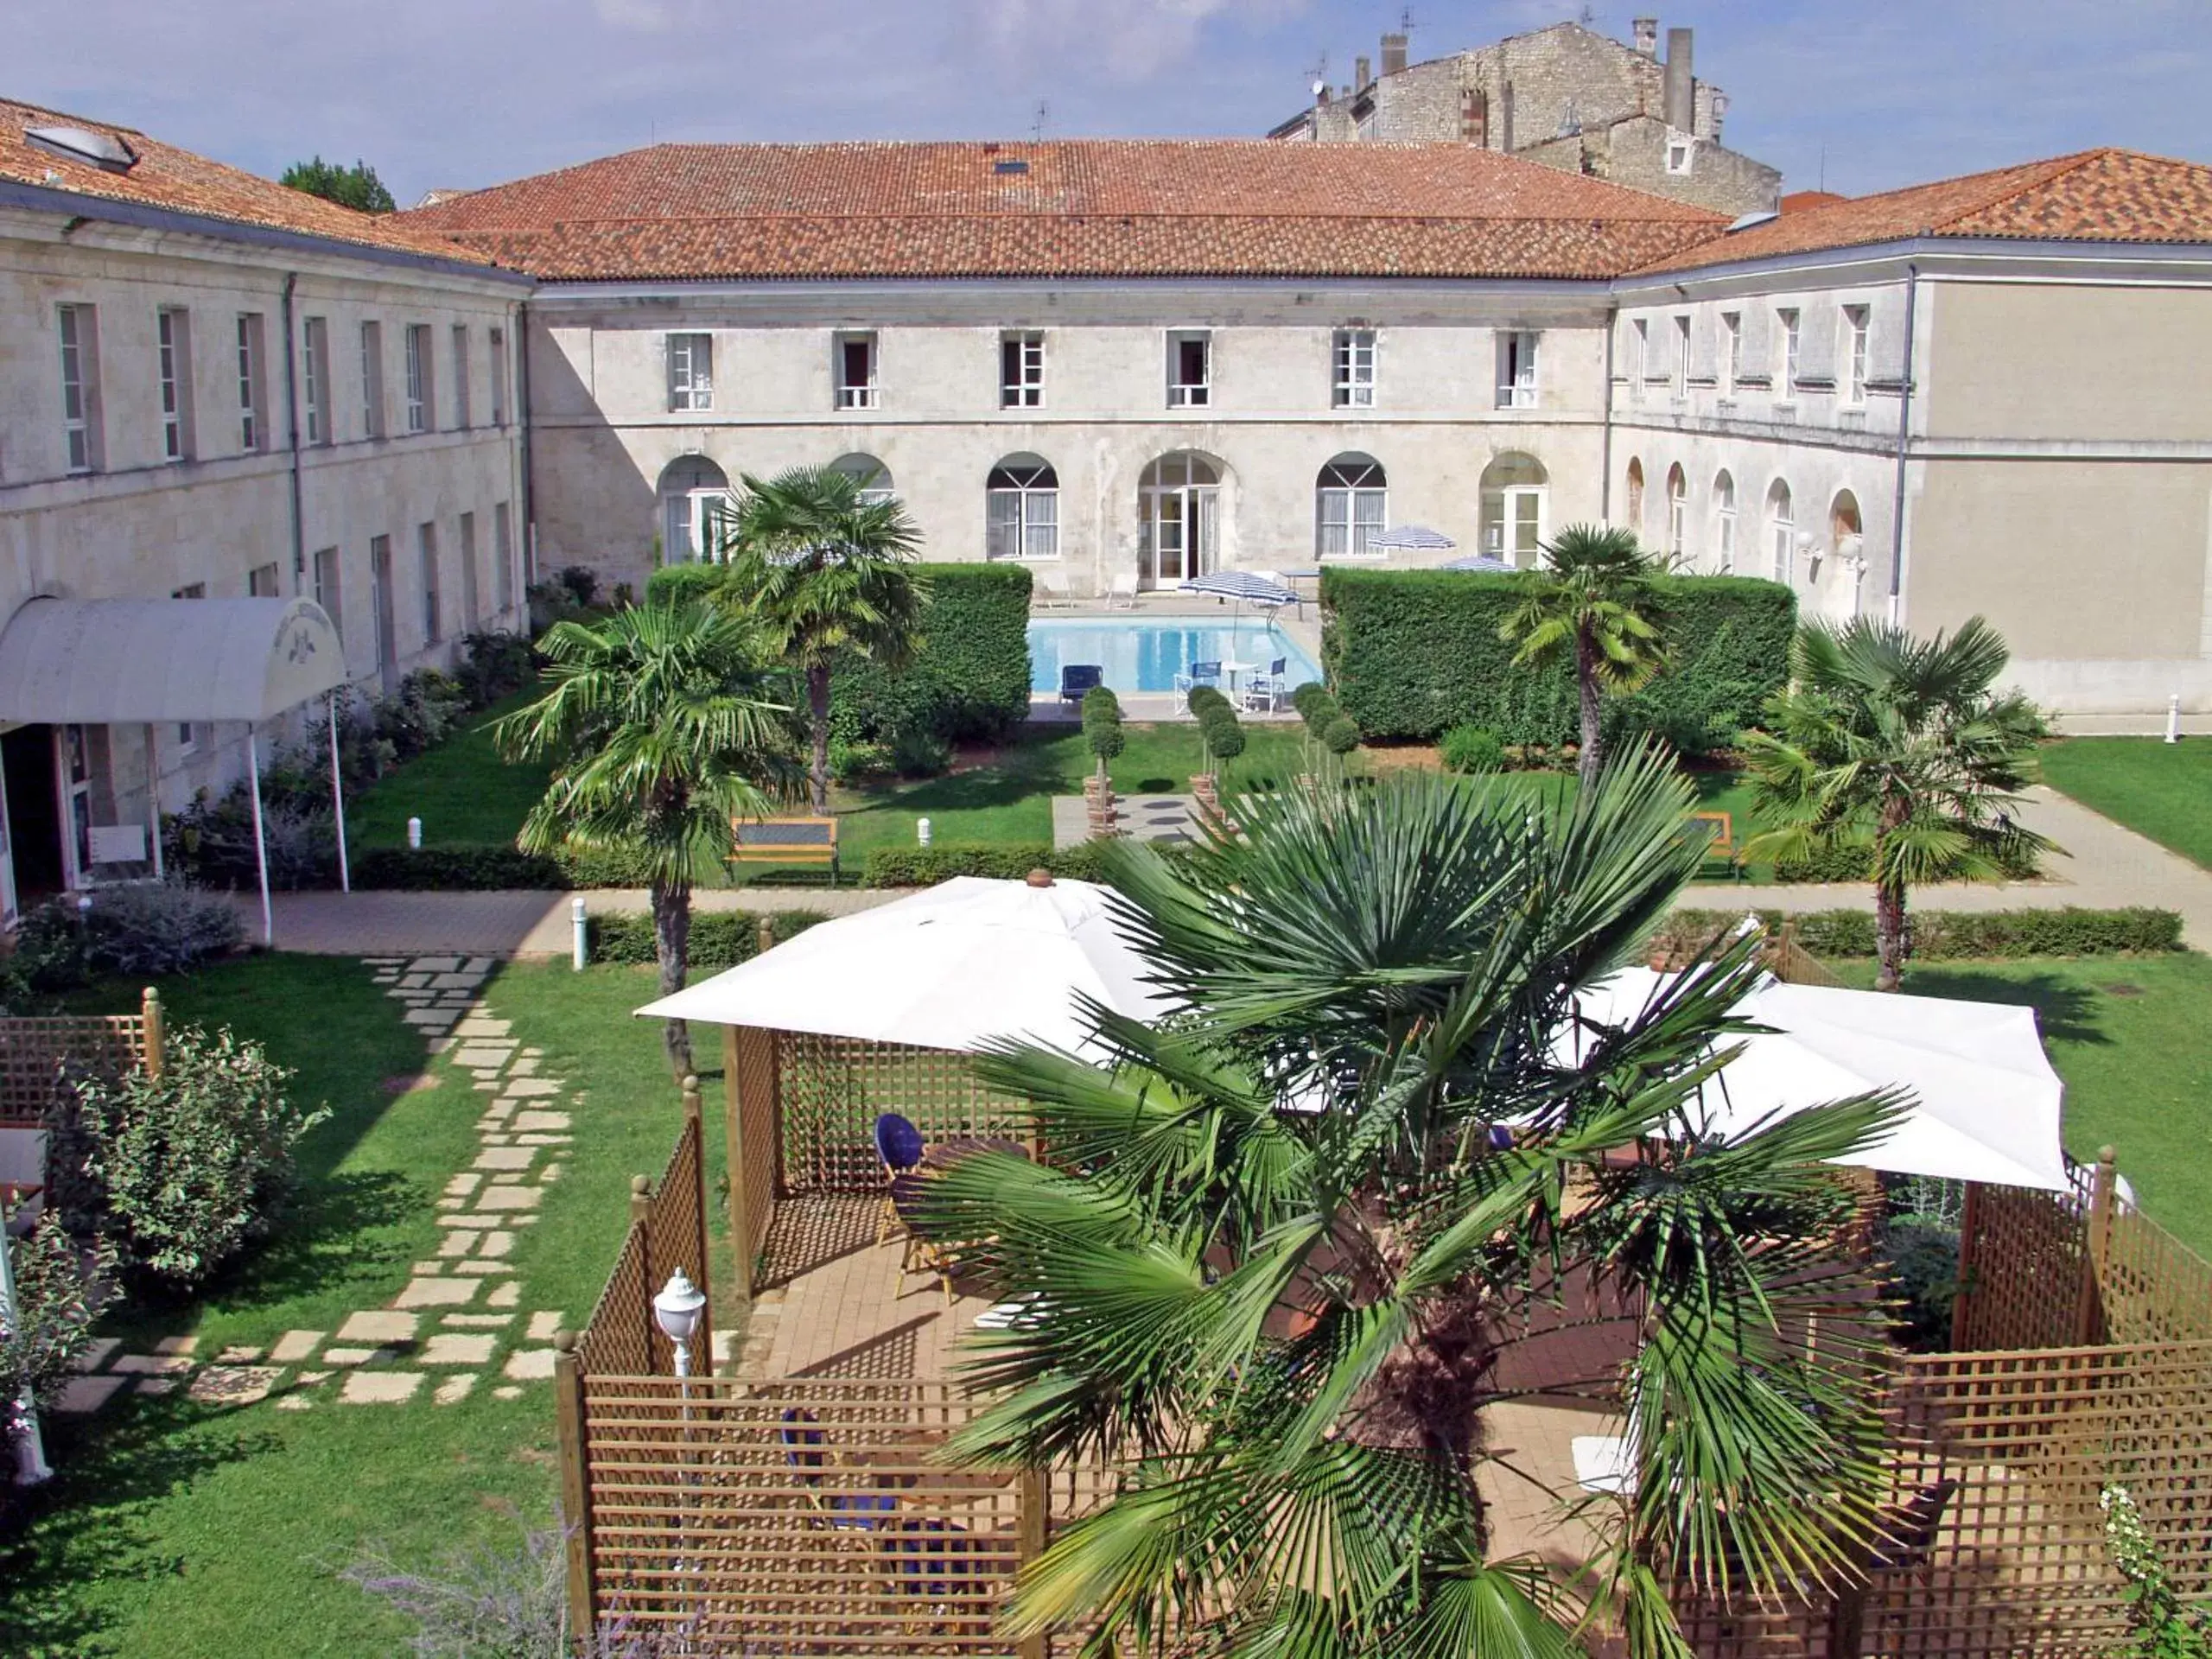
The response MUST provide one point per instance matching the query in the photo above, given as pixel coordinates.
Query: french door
(1179, 520)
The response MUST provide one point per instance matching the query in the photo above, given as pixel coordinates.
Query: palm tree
(1594, 595)
(1897, 748)
(1287, 1240)
(826, 572)
(665, 722)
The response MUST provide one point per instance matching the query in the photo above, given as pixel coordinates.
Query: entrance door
(387, 626)
(73, 781)
(1178, 509)
(1524, 526)
(35, 869)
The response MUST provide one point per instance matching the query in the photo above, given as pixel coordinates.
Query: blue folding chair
(1076, 678)
(900, 1145)
(1263, 693)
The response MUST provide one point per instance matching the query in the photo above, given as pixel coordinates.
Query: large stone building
(1564, 96)
(212, 388)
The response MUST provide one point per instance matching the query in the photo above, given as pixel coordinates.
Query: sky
(1861, 96)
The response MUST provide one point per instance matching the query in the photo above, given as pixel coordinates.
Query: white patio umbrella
(951, 968)
(1986, 1104)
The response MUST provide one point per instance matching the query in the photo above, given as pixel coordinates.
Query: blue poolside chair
(1264, 694)
(1076, 678)
(1200, 674)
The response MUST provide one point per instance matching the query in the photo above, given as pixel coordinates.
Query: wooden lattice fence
(39, 1057)
(668, 1232)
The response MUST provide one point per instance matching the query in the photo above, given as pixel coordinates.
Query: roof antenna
(1406, 21)
(1037, 124)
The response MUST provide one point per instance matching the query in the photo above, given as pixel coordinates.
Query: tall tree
(1594, 600)
(356, 187)
(664, 721)
(1901, 750)
(826, 572)
(1288, 1241)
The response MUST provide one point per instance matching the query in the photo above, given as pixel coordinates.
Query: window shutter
(1760, 344)
(1705, 343)
(1885, 341)
(1819, 329)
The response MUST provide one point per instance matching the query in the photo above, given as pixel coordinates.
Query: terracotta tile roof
(165, 176)
(1081, 209)
(2098, 195)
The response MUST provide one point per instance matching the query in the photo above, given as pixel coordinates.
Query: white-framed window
(1787, 342)
(691, 372)
(426, 544)
(1021, 369)
(328, 591)
(873, 477)
(315, 358)
(1351, 502)
(461, 410)
(1514, 507)
(254, 384)
(1681, 153)
(263, 582)
(694, 505)
(418, 377)
(1731, 351)
(80, 385)
(503, 556)
(1352, 373)
(372, 416)
(1855, 354)
(1634, 495)
(1678, 497)
(1724, 522)
(469, 593)
(498, 376)
(1190, 369)
(188, 735)
(1780, 534)
(1516, 368)
(1639, 355)
(173, 350)
(383, 609)
(1022, 510)
(1678, 368)
(854, 357)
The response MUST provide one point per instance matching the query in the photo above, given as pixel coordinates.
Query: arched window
(694, 495)
(1178, 513)
(1351, 501)
(1635, 502)
(1723, 523)
(1022, 510)
(1780, 534)
(871, 474)
(1678, 498)
(1515, 495)
(1847, 532)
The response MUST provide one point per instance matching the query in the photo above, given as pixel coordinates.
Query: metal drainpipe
(1905, 434)
(529, 487)
(292, 436)
(1605, 453)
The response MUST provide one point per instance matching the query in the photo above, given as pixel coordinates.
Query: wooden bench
(1720, 831)
(786, 840)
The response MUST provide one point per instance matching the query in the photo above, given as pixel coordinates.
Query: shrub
(1950, 935)
(1340, 735)
(58, 1295)
(860, 763)
(1855, 864)
(1203, 698)
(916, 752)
(53, 949)
(1411, 653)
(459, 868)
(159, 928)
(1471, 749)
(1310, 692)
(925, 866)
(969, 681)
(193, 1165)
(1224, 734)
(720, 938)
(1101, 726)
(674, 583)
(582, 583)
(1923, 1280)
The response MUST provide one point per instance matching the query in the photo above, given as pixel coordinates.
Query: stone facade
(178, 472)
(1566, 96)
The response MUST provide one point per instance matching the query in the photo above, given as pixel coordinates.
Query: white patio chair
(1051, 591)
(1121, 593)
(1604, 1463)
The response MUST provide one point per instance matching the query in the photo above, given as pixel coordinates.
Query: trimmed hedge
(491, 868)
(925, 866)
(1951, 935)
(1413, 653)
(720, 938)
(675, 582)
(1857, 864)
(970, 680)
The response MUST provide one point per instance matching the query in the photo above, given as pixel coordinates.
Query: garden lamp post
(676, 1310)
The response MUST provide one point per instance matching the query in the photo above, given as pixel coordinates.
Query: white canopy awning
(1985, 1103)
(107, 661)
(950, 967)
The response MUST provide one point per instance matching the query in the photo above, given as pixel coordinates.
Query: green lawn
(2160, 789)
(461, 789)
(190, 1532)
(2130, 1036)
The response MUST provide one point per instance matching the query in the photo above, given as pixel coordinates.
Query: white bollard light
(579, 930)
(414, 834)
(2173, 718)
(922, 831)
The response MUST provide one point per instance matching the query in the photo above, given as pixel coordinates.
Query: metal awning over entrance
(116, 662)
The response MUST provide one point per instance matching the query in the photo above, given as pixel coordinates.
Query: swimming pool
(1145, 653)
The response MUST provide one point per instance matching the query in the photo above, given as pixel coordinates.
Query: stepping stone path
(459, 1317)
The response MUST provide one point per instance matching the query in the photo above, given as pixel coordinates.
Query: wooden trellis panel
(2153, 1287)
(832, 1088)
(755, 1141)
(2029, 1252)
(37, 1056)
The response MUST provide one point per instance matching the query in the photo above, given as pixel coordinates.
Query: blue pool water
(1146, 653)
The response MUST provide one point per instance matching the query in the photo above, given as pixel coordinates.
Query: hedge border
(1952, 935)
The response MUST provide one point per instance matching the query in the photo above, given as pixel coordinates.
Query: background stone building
(1564, 96)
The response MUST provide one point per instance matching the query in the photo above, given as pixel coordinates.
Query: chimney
(1393, 54)
(1646, 35)
(1361, 80)
(1681, 90)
